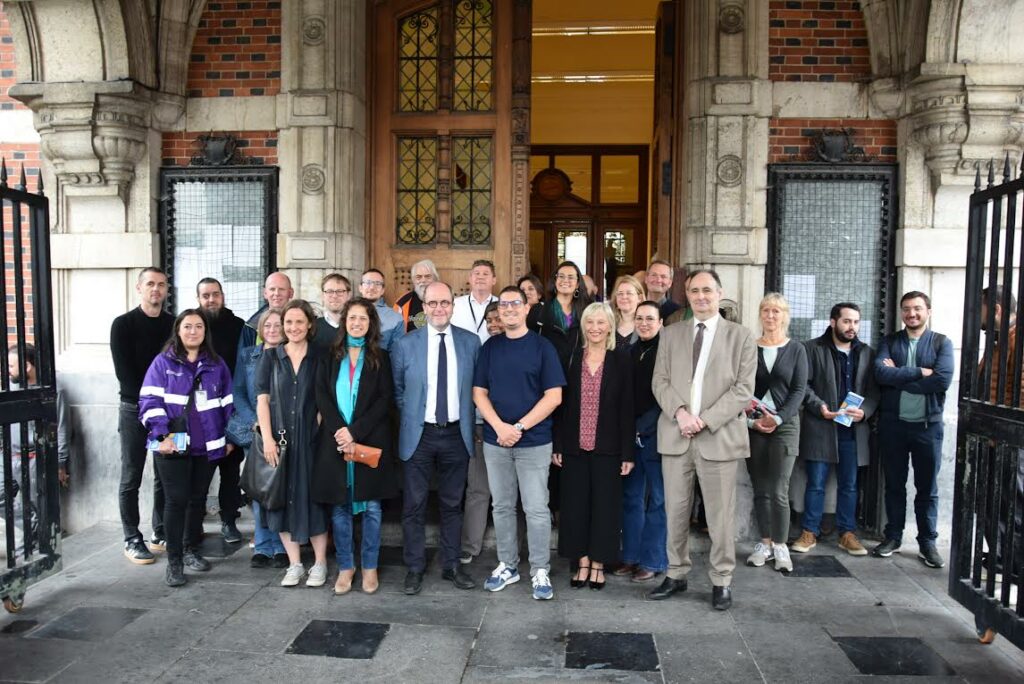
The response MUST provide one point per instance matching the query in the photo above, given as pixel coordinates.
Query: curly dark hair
(339, 348)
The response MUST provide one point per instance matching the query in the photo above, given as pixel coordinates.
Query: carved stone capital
(939, 122)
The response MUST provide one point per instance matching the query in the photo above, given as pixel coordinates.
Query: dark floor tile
(214, 546)
(611, 651)
(894, 656)
(88, 623)
(817, 566)
(392, 556)
(337, 639)
(18, 626)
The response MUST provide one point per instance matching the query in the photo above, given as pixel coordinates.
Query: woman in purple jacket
(185, 404)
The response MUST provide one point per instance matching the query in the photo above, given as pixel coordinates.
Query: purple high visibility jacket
(165, 391)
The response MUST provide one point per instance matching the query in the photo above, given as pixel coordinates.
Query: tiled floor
(834, 619)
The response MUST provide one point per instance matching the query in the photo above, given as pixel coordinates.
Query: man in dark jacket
(277, 291)
(839, 363)
(914, 368)
(225, 328)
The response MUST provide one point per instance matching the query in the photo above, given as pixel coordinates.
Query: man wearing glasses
(336, 290)
(392, 326)
(410, 305)
(433, 375)
(517, 385)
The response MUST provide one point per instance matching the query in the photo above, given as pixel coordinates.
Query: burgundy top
(590, 397)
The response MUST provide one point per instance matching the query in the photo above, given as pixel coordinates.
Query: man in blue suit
(433, 373)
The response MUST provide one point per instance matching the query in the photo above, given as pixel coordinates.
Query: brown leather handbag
(367, 455)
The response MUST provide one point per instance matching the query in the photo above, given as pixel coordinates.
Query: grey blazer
(727, 390)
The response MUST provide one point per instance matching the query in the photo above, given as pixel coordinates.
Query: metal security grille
(830, 241)
(471, 191)
(417, 191)
(219, 223)
(418, 48)
(473, 49)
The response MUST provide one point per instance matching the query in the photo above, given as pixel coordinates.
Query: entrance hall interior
(592, 136)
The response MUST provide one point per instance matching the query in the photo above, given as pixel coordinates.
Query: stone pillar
(321, 114)
(727, 105)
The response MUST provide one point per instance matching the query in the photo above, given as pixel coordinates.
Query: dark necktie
(441, 407)
(698, 342)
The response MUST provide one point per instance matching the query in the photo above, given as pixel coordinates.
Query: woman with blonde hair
(593, 444)
(627, 293)
(774, 423)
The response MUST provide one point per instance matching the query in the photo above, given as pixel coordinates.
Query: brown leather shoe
(626, 570)
(343, 584)
(370, 581)
(642, 575)
(848, 542)
(804, 543)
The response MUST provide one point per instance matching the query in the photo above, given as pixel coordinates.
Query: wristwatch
(520, 427)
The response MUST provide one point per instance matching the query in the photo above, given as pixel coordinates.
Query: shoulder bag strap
(275, 406)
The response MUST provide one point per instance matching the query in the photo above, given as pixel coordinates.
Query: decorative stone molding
(313, 30)
(730, 170)
(313, 179)
(731, 17)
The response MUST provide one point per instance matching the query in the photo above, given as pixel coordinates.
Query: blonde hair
(776, 299)
(602, 309)
(262, 320)
(632, 282)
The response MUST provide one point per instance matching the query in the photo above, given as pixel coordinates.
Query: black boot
(175, 573)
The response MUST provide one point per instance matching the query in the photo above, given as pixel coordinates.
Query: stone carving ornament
(313, 30)
(730, 170)
(313, 179)
(731, 17)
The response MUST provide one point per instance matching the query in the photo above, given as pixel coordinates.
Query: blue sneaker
(501, 578)
(542, 590)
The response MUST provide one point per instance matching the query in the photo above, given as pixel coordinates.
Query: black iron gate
(987, 553)
(31, 502)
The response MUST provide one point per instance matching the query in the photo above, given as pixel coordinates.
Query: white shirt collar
(710, 325)
(433, 331)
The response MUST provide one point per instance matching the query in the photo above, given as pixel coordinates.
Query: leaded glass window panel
(473, 41)
(471, 190)
(417, 191)
(417, 61)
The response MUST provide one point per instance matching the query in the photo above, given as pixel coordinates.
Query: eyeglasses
(372, 283)
(332, 293)
(566, 276)
(510, 303)
(432, 304)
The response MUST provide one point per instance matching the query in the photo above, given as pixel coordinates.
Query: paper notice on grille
(819, 326)
(799, 291)
(864, 333)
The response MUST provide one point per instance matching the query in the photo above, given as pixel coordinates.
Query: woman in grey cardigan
(774, 424)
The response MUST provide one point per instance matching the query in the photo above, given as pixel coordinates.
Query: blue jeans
(846, 490)
(341, 518)
(904, 444)
(644, 526)
(265, 542)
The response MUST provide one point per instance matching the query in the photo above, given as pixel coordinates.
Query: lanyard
(472, 313)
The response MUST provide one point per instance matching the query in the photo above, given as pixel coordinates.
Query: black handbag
(261, 481)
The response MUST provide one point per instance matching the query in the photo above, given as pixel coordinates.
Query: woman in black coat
(593, 444)
(354, 397)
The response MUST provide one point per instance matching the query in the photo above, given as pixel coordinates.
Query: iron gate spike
(39, 183)
(3, 172)
(977, 177)
(21, 180)
(991, 172)
(1006, 168)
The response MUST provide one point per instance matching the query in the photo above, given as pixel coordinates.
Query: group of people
(601, 411)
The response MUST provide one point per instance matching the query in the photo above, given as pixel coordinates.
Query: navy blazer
(409, 368)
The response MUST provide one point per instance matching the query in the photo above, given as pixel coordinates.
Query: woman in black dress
(285, 381)
(354, 396)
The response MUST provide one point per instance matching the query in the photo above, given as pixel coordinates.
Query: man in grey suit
(703, 380)
(433, 375)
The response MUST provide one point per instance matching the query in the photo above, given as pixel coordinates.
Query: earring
(576, 293)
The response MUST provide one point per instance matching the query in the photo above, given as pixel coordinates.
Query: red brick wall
(237, 50)
(788, 139)
(817, 40)
(180, 146)
(7, 71)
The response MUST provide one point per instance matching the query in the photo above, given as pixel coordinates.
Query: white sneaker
(783, 563)
(293, 575)
(317, 576)
(761, 555)
(542, 589)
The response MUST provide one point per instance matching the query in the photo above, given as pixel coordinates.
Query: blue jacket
(409, 369)
(239, 429)
(165, 391)
(934, 351)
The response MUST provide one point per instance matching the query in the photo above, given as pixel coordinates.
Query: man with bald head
(277, 291)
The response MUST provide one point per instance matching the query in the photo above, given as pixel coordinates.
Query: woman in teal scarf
(354, 397)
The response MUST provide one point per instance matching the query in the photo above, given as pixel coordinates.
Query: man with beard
(914, 368)
(337, 290)
(839, 363)
(410, 305)
(392, 327)
(225, 328)
(277, 291)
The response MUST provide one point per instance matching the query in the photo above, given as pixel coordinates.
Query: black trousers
(185, 479)
(229, 494)
(441, 449)
(133, 465)
(591, 507)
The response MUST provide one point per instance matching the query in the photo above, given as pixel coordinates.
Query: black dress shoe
(460, 579)
(260, 560)
(281, 560)
(721, 598)
(668, 587)
(413, 583)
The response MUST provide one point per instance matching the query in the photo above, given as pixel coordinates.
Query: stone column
(321, 114)
(727, 105)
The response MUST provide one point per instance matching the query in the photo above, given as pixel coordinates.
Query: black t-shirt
(135, 340)
(225, 331)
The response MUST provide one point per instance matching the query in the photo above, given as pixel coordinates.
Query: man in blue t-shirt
(516, 386)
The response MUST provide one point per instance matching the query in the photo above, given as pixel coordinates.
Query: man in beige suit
(703, 380)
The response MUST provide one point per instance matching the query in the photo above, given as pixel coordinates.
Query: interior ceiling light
(595, 77)
(605, 28)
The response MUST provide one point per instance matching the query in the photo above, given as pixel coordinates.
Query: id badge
(200, 397)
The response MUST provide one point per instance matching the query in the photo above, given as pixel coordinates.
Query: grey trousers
(770, 466)
(478, 499)
(522, 471)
